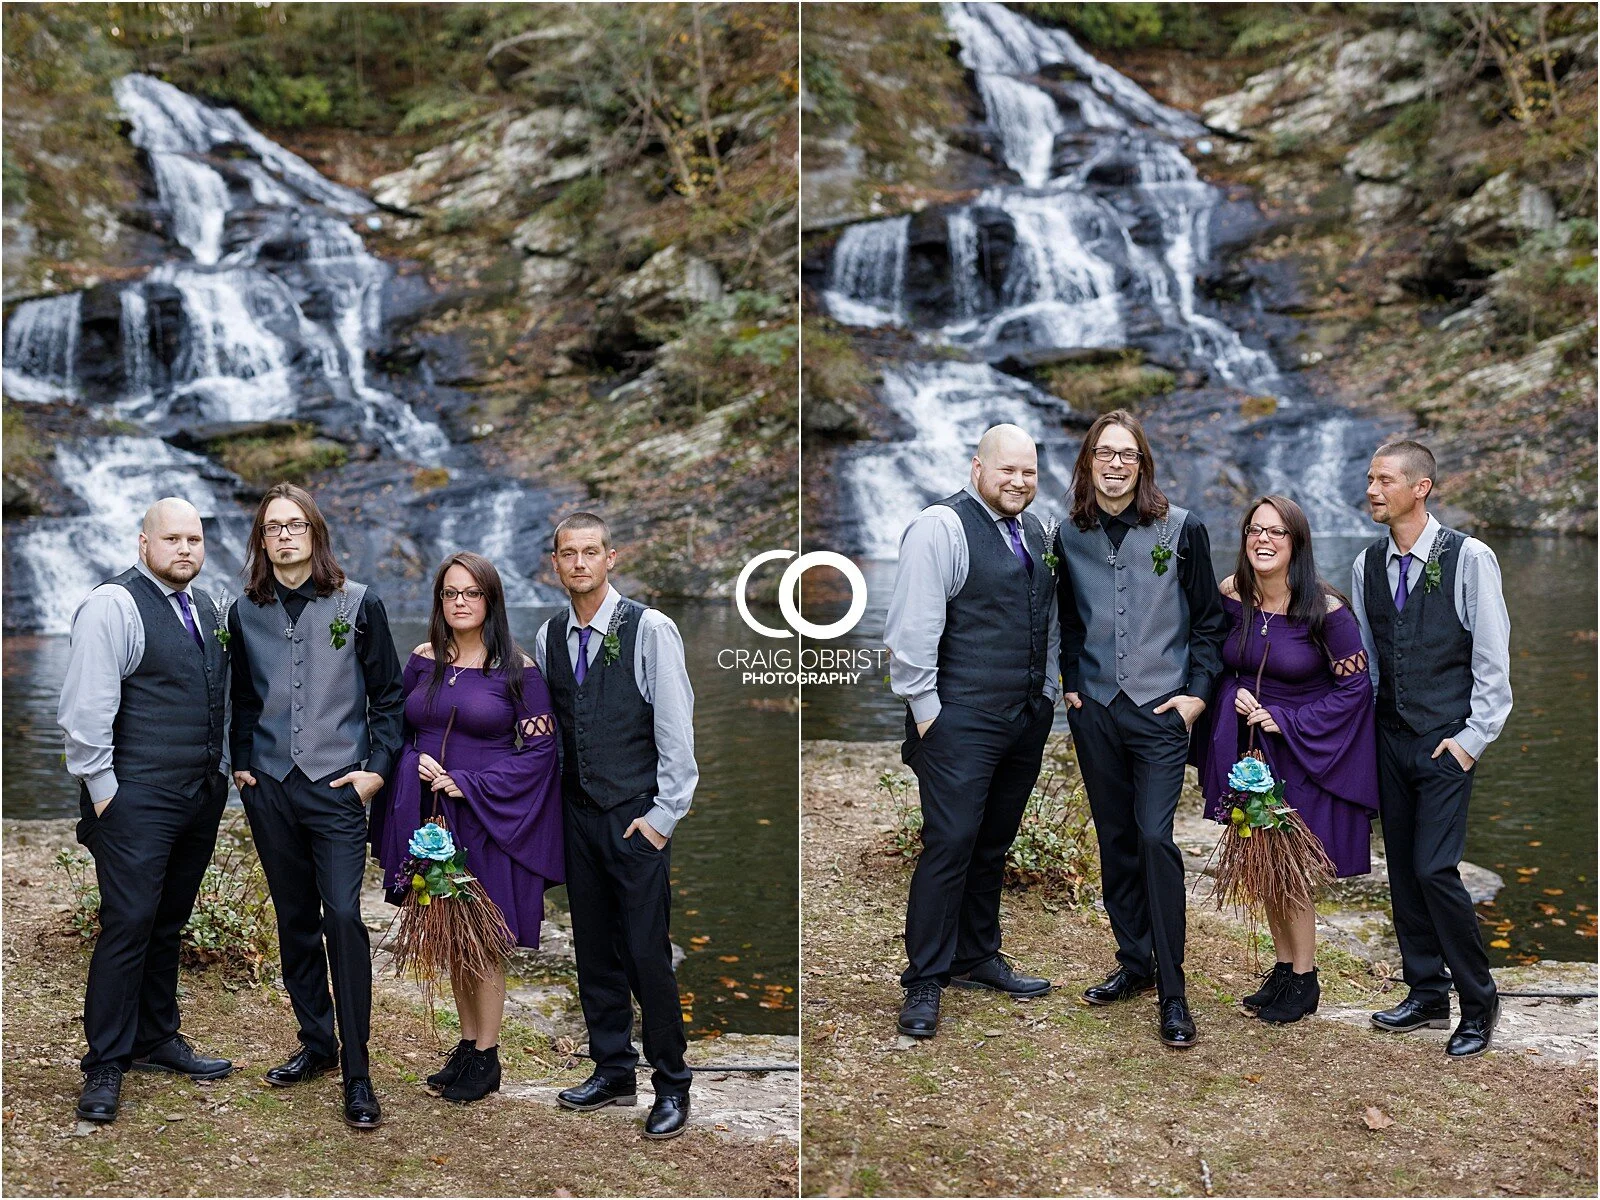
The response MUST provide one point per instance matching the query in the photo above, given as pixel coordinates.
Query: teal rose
(1250, 775)
(433, 841)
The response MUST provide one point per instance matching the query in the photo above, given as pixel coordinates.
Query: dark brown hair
(580, 521)
(500, 650)
(1147, 496)
(1308, 592)
(1417, 459)
(326, 572)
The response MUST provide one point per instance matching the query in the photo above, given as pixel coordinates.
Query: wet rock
(833, 419)
(20, 498)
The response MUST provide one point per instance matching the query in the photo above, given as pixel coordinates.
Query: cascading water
(266, 311)
(1098, 248)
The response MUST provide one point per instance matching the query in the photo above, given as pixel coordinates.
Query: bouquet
(1266, 857)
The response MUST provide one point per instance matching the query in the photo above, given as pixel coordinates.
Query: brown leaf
(1376, 1118)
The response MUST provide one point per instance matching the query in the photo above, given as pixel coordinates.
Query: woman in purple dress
(1313, 718)
(497, 783)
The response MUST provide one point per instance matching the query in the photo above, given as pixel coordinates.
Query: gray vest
(992, 652)
(313, 697)
(1137, 622)
(608, 729)
(168, 729)
(1424, 653)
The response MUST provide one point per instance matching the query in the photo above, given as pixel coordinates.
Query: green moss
(294, 455)
(1123, 382)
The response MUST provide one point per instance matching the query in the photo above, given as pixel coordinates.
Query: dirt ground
(239, 1136)
(1054, 1097)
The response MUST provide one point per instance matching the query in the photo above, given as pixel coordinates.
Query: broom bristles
(466, 934)
(1277, 869)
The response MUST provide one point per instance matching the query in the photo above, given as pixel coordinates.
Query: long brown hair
(1148, 498)
(326, 572)
(1308, 592)
(500, 650)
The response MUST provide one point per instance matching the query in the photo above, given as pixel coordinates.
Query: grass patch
(295, 454)
(1098, 387)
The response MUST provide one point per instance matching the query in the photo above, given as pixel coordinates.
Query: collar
(1424, 543)
(308, 588)
(1129, 516)
(167, 589)
(999, 518)
(602, 616)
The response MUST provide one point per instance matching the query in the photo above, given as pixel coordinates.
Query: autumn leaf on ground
(1376, 1118)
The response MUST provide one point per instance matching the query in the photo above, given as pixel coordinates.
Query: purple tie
(1400, 592)
(1016, 544)
(582, 667)
(188, 620)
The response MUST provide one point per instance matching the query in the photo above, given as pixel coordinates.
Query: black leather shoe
(1119, 985)
(997, 976)
(1412, 1013)
(669, 1116)
(361, 1109)
(1177, 1027)
(303, 1066)
(1475, 1034)
(453, 1066)
(919, 1013)
(177, 1056)
(102, 1093)
(478, 1078)
(1298, 998)
(597, 1092)
(1272, 983)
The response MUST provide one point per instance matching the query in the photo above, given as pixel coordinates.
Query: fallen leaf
(1500, 944)
(441, 1159)
(1554, 891)
(1376, 1118)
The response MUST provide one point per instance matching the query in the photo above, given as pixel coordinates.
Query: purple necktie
(188, 619)
(1400, 592)
(1016, 544)
(582, 667)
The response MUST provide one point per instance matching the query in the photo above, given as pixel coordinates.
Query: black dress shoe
(102, 1092)
(1475, 1034)
(453, 1066)
(597, 1092)
(997, 975)
(919, 1013)
(1177, 1027)
(1121, 984)
(478, 1078)
(303, 1066)
(1412, 1013)
(361, 1109)
(1299, 998)
(669, 1116)
(177, 1056)
(1272, 983)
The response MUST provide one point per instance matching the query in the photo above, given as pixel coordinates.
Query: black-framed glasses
(274, 528)
(1105, 454)
(1276, 532)
(451, 595)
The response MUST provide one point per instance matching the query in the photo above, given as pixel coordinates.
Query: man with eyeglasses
(318, 711)
(1142, 626)
(144, 711)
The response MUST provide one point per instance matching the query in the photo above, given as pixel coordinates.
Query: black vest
(992, 652)
(608, 730)
(169, 724)
(1424, 653)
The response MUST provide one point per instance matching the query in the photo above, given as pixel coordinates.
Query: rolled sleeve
(663, 678)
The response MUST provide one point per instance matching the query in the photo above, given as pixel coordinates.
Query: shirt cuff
(1200, 687)
(925, 707)
(102, 786)
(1052, 691)
(662, 821)
(1472, 743)
(381, 764)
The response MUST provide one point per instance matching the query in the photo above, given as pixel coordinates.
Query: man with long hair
(971, 632)
(317, 712)
(1141, 648)
(1437, 634)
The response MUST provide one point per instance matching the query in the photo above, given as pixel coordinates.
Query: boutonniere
(1161, 553)
(611, 644)
(1432, 572)
(1051, 561)
(340, 625)
(221, 605)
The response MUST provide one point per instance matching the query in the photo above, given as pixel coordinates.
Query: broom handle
(443, 742)
(1260, 672)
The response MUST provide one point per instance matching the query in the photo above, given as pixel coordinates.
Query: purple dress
(509, 819)
(1327, 754)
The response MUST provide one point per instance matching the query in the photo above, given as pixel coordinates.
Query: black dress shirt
(1208, 623)
(380, 666)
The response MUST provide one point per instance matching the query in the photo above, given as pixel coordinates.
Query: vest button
(1122, 633)
(1122, 566)
(1122, 654)
(1120, 611)
(297, 683)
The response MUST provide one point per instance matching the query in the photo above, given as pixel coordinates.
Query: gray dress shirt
(933, 568)
(662, 677)
(107, 644)
(1482, 608)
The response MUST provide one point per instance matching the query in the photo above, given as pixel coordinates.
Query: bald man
(973, 644)
(144, 711)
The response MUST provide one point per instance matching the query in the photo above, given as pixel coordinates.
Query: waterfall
(869, 273)
(136, 369)
(962, 232)
(41, 349)
(197, 198)
(1026, 121)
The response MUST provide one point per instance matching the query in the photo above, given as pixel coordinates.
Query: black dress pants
(1132, 762)
(619, 891)
(312, 839)
(150, 849)
(1423, 803)
(975, 771)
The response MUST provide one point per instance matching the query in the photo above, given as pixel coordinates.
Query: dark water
(735, 857)
(1533, 813)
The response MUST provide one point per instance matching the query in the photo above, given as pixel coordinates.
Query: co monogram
(788, 588)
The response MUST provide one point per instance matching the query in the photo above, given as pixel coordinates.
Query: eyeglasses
(451, 595)
(274, 528)
(1276, 532)
(1105, 454)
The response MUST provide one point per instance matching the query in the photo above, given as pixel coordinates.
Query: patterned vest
(1424, 653)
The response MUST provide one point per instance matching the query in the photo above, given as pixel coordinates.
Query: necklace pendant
(1263, 629)
(452, 680)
